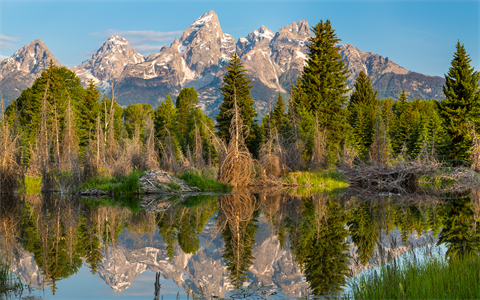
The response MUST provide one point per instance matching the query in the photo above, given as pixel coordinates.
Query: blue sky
(418, 35)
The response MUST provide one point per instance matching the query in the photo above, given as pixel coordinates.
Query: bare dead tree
(150, 154)
(198, 149)
(237, 167)
(319, 158)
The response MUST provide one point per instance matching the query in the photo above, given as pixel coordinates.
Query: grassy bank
(434, 277)
(327, 179)
(205, 182)
(31, 185)
(125, 185)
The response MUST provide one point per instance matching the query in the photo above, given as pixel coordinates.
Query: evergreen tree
(402, 124)
(237, 84)
(185, 104)
(363, 108)
(165, 119)
(135, 116)
(461, 107)
(278, 115)
(88, 111)
(324, 84)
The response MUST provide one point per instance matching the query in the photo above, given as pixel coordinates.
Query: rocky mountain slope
(20, 70)
(109, 62)
(273, 62)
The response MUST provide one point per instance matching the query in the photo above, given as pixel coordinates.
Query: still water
(270, 243)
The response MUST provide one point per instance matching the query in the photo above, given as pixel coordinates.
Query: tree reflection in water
(329, 237)
(241, 215)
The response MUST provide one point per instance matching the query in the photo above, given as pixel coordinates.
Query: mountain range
(198, 58)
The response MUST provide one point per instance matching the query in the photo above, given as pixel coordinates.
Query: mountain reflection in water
(208, 245)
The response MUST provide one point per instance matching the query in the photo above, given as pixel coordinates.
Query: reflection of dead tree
(238, 211)
(237, 166)
(157, 286)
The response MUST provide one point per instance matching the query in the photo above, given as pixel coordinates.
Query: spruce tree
(278, 116)
(88, 112)
(461, 108)
(185, 104)
(363, 108)
(165, 119)
(237, 84)
(324, 84)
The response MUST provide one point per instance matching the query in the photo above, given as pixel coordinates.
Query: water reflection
(209, 244)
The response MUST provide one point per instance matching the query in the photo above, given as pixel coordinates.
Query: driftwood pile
(391, 179)
(157, 181)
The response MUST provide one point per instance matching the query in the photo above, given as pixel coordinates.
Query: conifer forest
(340, 179)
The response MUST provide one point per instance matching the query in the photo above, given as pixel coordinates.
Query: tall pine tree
(324, 84)
(237, 84)
(363, 108)
(461, 107)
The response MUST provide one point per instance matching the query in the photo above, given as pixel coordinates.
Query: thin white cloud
(143, 41)
(2, 57)
(5, 42)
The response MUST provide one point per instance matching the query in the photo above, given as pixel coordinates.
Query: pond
(270, 243)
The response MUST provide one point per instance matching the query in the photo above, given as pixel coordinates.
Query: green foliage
(362, 227)
(124, 185)
(328, 179)
(204, 182)
(31, 185)
(363, 108)
(88, 111)
(165, 119)
(323, 85)
(461, 107)
(434, 277)
(459, 234)
(135, 116)
(320, 247)
(11, 286)
(56, 84)
(238, 255)
(174, 186)
(236, 84)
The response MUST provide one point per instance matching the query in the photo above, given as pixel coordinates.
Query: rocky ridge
(19, 71)
(198, 58)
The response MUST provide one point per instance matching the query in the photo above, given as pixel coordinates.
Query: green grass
(31, 185)
(328, 179)
(205, 183)
(125, 185)
(173, 186)
(11, 285)
(434, 277)
(435, 182)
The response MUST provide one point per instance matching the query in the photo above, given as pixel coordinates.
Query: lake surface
(273, 244)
